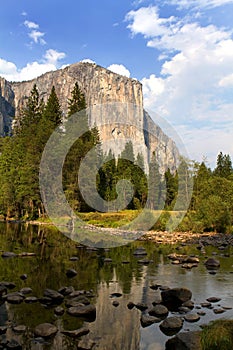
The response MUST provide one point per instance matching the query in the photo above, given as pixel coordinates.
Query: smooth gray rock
(185, 341)
(212, 263)
(159, 311)
(82, 311)
(171, 325)
(59, 311)
(147, 320)
(77, 333)
(45, 330)
(192, 317)
(19, 329)
(54, 295)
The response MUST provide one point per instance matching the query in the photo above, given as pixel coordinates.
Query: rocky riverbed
(57, 294)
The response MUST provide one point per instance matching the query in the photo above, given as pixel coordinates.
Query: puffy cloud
(35, 34)
(31, 25)
(226, 81)
(146, 21)
(193, 87)
(199, 3)
(88, 60)
(119, 69)
(206, 141)
(52, 56)
(37, 37)
(32, 70)
(7, 67)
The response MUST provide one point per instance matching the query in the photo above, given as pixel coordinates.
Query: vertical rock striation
(120, 118)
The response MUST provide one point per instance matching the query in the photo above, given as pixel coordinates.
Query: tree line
(209, 208)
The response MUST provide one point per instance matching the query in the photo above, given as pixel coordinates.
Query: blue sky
(181, 51)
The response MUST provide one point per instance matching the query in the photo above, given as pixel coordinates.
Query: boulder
(115, 303)
(14, 345)
(85, 344)
(159, 311)
(85, 311)
(140, 252)
(8, 285)
(14, 298)
(141, 306)
(185, 341)
(45, 330)
(66, 290)
(59, 311)
(213, 299)
(26, 290)
(171, 325)
(219, 310)
(19, 329)
(212, 263)
(54, 295)
(130, 305)
(30, 300)
(192, 317)
(78, 300)
(175, 297)
(115, 295)
(147, 320)
(71, 273)
(77, 333)
(23, 277)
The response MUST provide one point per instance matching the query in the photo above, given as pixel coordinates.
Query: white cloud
(119, 69)
(226, 81)
(88, 60)
(52, 56)
(31, 25)
(32, 70)
(206, 142)
(7, 67)
(146, 21)
(34, 33)
(199, 3)
(194, 87)
(24, 13)
(37, 37)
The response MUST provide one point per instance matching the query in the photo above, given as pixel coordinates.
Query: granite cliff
(101, 88)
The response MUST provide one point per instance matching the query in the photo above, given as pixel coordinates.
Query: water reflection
(115, 328)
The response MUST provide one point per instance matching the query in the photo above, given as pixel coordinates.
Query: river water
(115, 328)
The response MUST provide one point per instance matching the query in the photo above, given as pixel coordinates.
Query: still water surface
(115, 328)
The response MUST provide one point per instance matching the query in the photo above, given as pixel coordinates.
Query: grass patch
(218, 335)
(109, 220)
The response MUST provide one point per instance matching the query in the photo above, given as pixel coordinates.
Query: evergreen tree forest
(209, 209)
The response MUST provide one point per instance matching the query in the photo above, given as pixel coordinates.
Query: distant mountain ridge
(101, 87)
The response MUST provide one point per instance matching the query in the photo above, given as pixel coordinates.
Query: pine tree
(155, 185)
(87, 141)
(171, 188)
(224, 166)
(77, 102)
(33, 110)
(52, 111)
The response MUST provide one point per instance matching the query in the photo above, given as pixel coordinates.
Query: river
(101, 272)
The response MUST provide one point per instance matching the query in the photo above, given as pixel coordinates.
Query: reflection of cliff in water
(118, 327)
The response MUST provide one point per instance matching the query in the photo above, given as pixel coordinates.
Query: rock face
(7, 110)
(116, 124)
